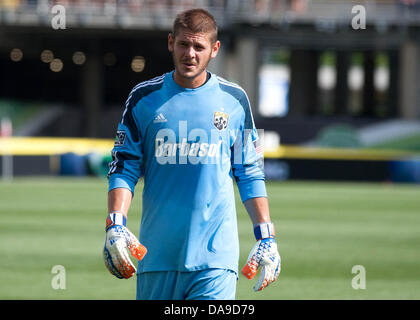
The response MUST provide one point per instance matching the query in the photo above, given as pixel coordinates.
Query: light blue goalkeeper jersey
(189, 144)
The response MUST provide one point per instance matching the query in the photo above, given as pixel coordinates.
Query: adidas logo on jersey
(160, 118)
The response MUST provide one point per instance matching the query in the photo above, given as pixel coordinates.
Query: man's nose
(190, 52)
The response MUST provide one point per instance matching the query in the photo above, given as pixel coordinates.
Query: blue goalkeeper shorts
(208, 284)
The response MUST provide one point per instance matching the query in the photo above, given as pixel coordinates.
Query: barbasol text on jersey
(194, 147)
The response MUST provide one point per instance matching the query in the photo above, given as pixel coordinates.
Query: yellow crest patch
(220, 120)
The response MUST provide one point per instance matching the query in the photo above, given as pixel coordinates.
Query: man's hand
(117, 240)
(265, 256)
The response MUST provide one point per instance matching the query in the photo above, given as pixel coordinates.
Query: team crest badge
(120, 138)
(220, 120)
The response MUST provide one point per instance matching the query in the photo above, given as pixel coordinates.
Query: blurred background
(319, 74)
(335, 85)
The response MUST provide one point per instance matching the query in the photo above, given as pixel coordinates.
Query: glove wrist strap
(115, 218)
(264, 230)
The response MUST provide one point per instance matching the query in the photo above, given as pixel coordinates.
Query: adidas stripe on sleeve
(247, 156)
(127, 156)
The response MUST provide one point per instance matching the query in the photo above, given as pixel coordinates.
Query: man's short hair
(196, 21)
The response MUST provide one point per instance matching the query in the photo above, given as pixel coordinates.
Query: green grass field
(323, 229)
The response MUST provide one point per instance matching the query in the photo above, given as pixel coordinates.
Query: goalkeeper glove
(117, 240)
(265, 256)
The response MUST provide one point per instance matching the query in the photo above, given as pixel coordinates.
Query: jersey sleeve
(127, 155)
(247, 158)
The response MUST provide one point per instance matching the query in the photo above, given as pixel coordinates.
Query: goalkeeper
(189, 133)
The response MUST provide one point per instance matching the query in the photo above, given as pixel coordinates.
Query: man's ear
(215, 49)
(170, 42)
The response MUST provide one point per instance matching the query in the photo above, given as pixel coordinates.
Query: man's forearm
(258, 210)
(119, 200)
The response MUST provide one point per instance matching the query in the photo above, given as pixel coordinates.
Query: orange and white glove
(264, 256)
(117, 240)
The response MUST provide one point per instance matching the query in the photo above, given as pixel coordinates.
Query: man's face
(191, 52)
